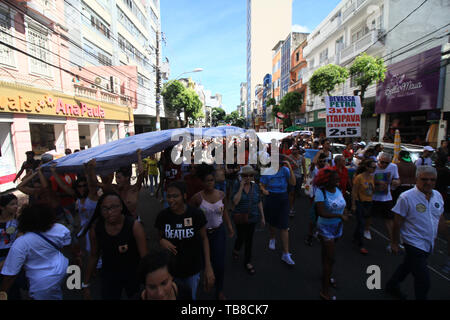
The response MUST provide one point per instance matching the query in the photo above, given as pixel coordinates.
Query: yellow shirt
(151, 166)
(365, 187)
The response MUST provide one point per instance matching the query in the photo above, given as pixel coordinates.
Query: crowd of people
(94, 221)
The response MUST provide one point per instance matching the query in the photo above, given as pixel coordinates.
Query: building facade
(48, 101)
(298, 65)
(263, 29)
(379, 28)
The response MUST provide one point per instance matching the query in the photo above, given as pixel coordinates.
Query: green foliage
(217, 115)
(291, 102)
(235, 119)
(366, 70)
(326, 78)
(178, 99)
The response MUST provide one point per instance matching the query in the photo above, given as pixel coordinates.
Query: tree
(217, 115)
(178, 99)
(291, 103)
(235, 119)
(326, 78)
(366, 70)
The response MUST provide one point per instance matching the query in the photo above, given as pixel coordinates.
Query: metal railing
(359, 46)
(85, 92)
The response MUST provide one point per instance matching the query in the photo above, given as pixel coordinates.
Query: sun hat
(428, 148)
(247, 170)
(405, 156)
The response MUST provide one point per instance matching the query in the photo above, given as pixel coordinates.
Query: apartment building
(48, 100)
(298, 65)
(396, 30)
(268, 21)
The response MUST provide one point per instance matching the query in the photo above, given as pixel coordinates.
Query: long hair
(97, 217)
(323, 176)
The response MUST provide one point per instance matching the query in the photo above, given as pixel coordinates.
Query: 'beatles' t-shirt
(183, 231)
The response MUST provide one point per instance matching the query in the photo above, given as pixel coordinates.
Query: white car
(414, 150)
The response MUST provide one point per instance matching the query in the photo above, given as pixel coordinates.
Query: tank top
(119, 253)
(213, 212)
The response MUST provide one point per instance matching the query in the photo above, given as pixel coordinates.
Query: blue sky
(211, 34)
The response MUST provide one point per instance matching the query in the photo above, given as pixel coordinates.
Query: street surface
(276, 281)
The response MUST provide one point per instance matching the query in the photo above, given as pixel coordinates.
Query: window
(359, 33)
(136, 11)
(129, 25)
(132, 52)
(300, 75)
(96, 22)
(39, 48)
(95, 55)
(6, 54)
(104, 59)
(297, 56)
(323, 56)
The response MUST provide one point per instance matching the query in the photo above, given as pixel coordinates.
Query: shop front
(47, 121)
(408, 99)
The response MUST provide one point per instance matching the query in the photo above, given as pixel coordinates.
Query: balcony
(328, 30)
(310, 71)
(95, 94)
(359, 46)
(355, 6)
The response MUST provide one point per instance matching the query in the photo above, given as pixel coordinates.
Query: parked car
(414, 150)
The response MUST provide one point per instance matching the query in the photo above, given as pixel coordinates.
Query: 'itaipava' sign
(343, 116)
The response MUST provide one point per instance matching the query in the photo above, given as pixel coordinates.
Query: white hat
(428, 148)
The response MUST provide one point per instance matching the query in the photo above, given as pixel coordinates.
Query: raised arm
(23, 185)
(68, 190)
(92, 181)
(140, 170)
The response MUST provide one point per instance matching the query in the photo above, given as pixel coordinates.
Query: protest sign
(343, 116)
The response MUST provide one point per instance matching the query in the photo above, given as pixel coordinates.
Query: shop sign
(343, 116)
(411, 84)
(25, 105)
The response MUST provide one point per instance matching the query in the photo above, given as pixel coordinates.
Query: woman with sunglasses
(330, 206)
(363, 187)
(247, 200)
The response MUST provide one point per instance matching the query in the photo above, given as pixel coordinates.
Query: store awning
(316, 124)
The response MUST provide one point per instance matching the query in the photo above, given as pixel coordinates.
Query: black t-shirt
(184, 232)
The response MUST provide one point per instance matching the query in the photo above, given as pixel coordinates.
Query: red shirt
(343, 178)
(69, 179)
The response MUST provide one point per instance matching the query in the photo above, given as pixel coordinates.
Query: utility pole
(158, 83)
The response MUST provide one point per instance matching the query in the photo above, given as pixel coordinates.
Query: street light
(195, 70)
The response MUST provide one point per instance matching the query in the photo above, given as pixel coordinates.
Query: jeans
(416, 263)
(362, 212)
(191, 282)
(245, 236)
(217, 247)
(153, 182)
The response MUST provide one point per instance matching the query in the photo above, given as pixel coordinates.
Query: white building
(392, 29)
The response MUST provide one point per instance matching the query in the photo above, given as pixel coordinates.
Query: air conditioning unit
(115, 84)
(102, 83)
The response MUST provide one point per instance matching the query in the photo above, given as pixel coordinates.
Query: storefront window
(42, 137)
(7, 161)
(111, 132)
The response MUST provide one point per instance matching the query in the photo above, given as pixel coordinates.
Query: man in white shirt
(418, 213)
(425, 159)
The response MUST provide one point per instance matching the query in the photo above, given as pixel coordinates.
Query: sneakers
(287, 259)
(272, 244)
(367, 235)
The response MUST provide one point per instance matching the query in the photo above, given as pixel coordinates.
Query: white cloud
(299, 28)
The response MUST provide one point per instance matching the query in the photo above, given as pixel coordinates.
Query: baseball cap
(405, 156)
(428, 148)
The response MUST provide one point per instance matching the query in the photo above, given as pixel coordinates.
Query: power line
(386, 33)
(74, 43)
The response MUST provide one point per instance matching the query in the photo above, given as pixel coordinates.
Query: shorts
(330, 231)
(383, 208)
(276, 210)
(298, 185)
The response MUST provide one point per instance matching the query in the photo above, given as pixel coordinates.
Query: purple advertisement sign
(411, 84)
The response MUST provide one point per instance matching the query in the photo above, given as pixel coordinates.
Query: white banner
(343, 116)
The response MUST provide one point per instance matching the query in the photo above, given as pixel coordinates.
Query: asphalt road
(276, 281)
